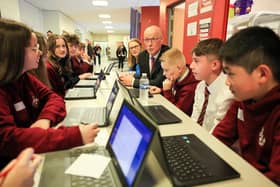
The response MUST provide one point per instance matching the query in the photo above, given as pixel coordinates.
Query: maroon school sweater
(257, 127)
(80, 67)
(21, 104)
(182, 94)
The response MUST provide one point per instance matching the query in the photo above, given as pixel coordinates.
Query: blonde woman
(134, 49)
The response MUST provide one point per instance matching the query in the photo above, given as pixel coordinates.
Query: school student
(59, 68)
(41, 72)
(20, 171)
(28, 108)
(212, 96)
(179, 85)
(252, 63)
(79, 66)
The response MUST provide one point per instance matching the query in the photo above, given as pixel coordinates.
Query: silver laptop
(99, 114)
(91, 81)
(128, 146)
(84, 92)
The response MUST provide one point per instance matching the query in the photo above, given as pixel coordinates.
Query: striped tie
(204, 106)
(152, 64)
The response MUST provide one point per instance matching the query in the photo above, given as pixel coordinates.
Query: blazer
(156, 76)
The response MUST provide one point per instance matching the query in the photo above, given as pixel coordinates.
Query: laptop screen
(133, 135)
(99, 79)
(112, 99)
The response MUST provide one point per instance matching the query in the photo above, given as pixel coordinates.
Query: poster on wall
(206, 6)
(192, 9)
(192, 29)
(204, 28)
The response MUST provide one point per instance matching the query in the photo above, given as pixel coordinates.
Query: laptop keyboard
(106, 178)
(96, 115)
(160, 114)
(181, 160)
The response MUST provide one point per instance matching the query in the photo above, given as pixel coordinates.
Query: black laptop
(190, 162)
(128, 146)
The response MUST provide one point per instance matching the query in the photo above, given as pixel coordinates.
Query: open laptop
(106, 69)
(78, 93)
(158, 113)
(99, 114)
(189, 162)
(128, 146)
(90, 81)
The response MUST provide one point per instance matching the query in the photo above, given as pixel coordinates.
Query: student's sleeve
(274, 162)
(54, 105)
(226, 130)
(14, 139)
(223, 102)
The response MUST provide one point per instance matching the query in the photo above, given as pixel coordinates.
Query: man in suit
(149, 59)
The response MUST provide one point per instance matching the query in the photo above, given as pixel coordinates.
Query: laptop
(132, 91)
(131, 132)
(90, 81)
(158, 113)
(99, 114)
(188, 161)
(78, 93)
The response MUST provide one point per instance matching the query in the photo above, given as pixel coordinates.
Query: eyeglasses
(147, 40)
(134, 47)
(36, 48)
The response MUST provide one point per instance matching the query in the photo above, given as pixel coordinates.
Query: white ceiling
(86, 15)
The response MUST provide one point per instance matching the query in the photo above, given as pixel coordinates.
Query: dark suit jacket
(156, 76)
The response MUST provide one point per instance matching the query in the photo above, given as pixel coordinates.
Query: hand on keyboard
(89, 132)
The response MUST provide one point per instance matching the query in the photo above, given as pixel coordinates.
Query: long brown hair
(14, 38)
(129, 58)
(41, 71)
(62, 65)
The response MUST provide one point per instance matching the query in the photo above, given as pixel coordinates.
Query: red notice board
(204, 19)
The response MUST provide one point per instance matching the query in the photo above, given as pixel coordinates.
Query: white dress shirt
(219, 101)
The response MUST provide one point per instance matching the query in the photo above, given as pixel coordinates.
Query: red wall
(149, 16)
(219, 16)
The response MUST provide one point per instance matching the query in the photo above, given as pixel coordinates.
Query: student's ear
(264, 73)
(216, 65)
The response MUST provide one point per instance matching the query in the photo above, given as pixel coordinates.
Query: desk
(249, 176)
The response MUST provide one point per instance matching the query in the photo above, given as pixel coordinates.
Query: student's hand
(89, 132)
(22, 170)
(85, 75)
(167, 84)
(154, 90)
(126, 79)
(42, 123)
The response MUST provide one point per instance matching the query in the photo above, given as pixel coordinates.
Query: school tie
(204, 106)
(152, 64)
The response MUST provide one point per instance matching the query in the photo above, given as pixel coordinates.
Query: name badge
(19, 106)
(240, 115)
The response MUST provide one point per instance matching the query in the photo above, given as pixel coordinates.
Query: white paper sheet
(89, 165)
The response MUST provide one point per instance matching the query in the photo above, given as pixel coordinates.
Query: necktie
(204, 106)
(152, 64)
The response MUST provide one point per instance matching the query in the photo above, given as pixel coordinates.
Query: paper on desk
(89, 165)
(102, 137)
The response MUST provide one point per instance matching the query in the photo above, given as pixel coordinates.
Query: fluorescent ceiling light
(109, 27)
(100, 3)
(104, 16)
(106, 22)
(110, 31)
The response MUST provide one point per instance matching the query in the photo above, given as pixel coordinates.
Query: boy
(212, 96)
(251, 61)
(179, 85)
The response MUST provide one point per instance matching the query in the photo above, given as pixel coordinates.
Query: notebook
(131, 132)
(99, 114)
(191, 162)
(90, 81)
(86, 92)
(158, 113)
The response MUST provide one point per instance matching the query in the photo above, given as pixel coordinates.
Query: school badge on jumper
(35, 102)
(261, 137)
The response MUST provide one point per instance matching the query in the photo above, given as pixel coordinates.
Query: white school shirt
(219, 101)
